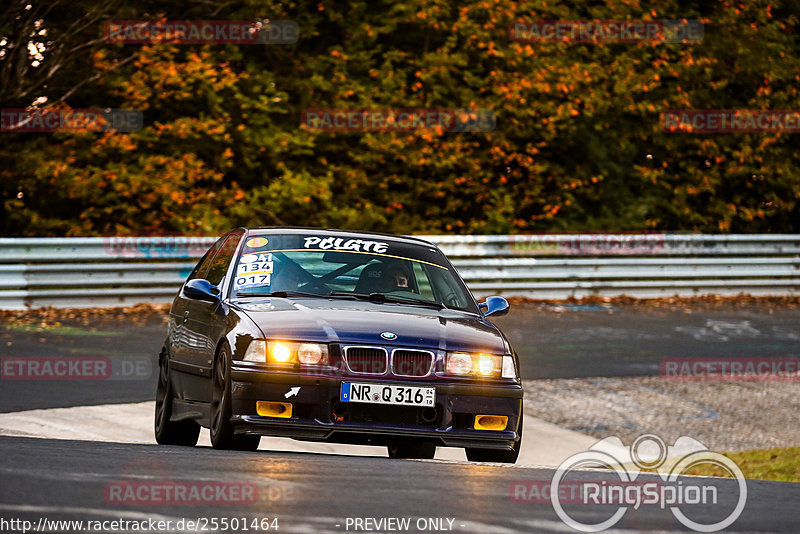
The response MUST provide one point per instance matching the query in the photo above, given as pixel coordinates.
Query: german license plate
(388, 394)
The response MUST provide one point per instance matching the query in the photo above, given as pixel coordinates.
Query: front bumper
(319, 416)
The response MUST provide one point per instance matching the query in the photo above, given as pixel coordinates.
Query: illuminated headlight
(256, 352)
(488, 365)
(279, 353)
(286, 352)
(485, 365)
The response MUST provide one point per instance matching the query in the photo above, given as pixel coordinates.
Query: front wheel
(169, 432)
(411, 449)
(497, 455)
(222, 431)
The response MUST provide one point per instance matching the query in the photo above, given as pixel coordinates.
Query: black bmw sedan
(337, 336)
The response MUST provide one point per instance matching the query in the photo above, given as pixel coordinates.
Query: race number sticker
(254, 258)
(254, 270)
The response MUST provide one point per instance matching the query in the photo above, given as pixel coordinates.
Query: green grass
(764, 464)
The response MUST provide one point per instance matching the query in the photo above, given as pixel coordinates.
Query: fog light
(274, 409)
(491, 422)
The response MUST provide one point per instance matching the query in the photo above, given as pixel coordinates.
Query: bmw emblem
(389, 336)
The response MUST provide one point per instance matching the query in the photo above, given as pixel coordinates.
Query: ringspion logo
(691, 500)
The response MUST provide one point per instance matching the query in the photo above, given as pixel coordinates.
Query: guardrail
(117, 271)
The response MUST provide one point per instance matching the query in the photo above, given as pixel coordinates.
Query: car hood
(362, 322)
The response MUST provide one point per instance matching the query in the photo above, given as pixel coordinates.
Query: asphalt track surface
(308, 492)
(73, 480)
(579, 341)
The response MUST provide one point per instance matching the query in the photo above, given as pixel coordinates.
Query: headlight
(288, 352)
(485, 365)
(488, 365)
(459, 363)
(256, 352)
(310, 354)
(279, 352)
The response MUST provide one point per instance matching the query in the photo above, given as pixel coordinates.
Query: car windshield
(388, 271)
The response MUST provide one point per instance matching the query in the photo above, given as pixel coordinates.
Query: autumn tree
(577, 144)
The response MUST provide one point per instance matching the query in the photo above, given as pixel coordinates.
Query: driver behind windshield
(395, 278)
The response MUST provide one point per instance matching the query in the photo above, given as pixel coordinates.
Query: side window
(448, 293)
(219, 265)
(201, 270)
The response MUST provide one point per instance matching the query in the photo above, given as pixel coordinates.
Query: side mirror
(494, 306)
(200, 289)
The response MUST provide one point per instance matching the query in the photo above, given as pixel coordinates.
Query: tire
(411, 449)
(222, 431)
(497, 455)
(168, 432)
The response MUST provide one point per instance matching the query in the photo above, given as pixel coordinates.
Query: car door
(180, 332)
(203, 324)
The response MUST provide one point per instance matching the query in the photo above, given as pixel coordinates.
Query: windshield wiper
(382, 297)
(374, 297)
(279, 294)
(412, 300)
